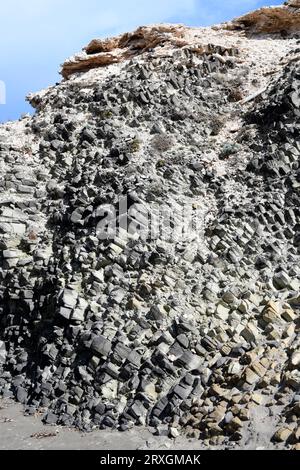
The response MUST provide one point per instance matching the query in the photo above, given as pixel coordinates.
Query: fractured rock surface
(196, 334)
(282, 19)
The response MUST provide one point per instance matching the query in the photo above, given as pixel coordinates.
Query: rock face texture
(103, 52)
(194, 330)
(158, 39)
(282, 19)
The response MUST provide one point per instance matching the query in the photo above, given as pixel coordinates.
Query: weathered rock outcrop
(185, 320)
(284, 19)
(108, 51)
(156, 40)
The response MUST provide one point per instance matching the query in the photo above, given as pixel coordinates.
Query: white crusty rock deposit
(190, 328)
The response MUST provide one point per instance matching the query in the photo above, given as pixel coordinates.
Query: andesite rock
(190, 135)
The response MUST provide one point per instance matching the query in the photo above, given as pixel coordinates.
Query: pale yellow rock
(250, 377)
(174, 432)
(274, 335)
(222, 337)
(255, 299)
(236, 398)
(265, 362)
(274, 306)
(289, 315)
(244, 414)
(270, 316)
(150, 391)
(116, 249)
(257, 398)
(218, 414)
(235, 424)
(282, 434)
(219, 391)
(289, 332)
(246, 398)
(293, 378)
(235, 368)
(275, 379)
(226, 349)
(236, 409)
(259, 369)
(222, 312)
(134, 304)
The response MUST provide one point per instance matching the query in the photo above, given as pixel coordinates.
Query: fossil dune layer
(284, 19)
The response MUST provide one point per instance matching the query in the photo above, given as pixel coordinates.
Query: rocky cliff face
(283, 19)
(158, 39)
(193, 329)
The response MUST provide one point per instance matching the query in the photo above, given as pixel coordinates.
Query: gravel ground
(19, 432)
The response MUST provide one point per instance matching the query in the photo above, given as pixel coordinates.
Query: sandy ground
(19, 432)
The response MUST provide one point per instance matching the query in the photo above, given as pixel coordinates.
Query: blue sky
(37, 35)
